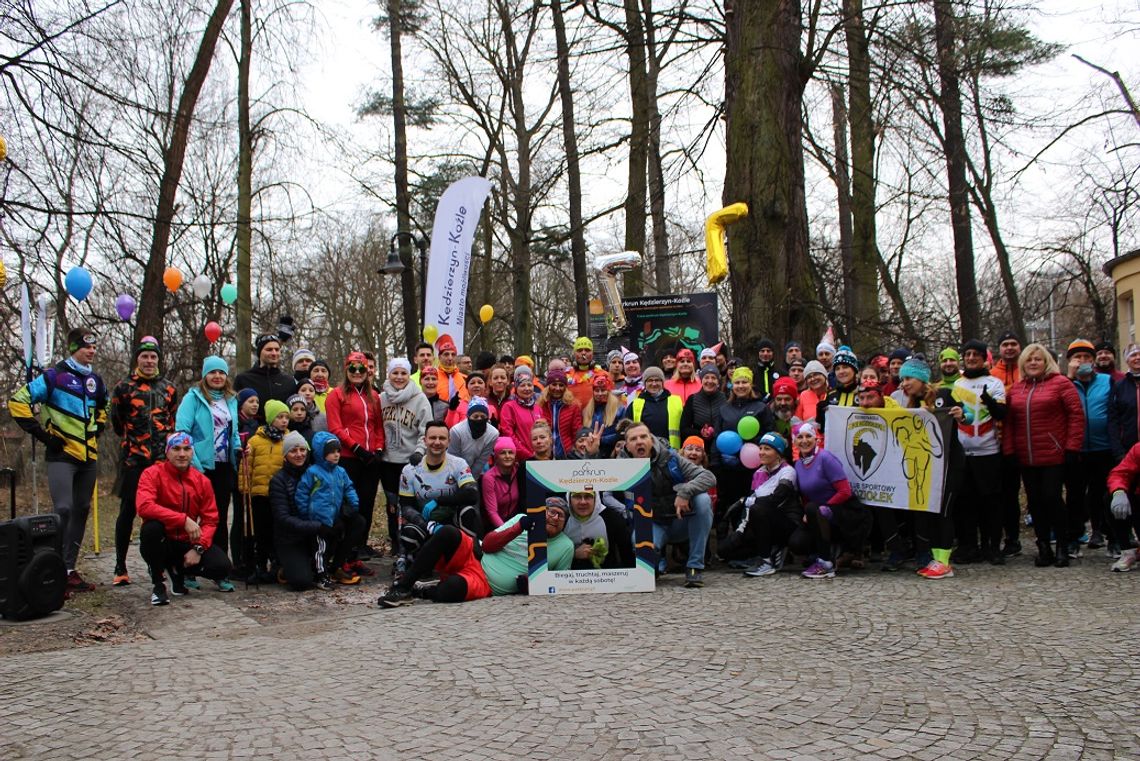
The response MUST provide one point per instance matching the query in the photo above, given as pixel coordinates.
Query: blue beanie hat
(477, 404)
(210, 364)
(244, 395)
(916, 368)
(774, 440)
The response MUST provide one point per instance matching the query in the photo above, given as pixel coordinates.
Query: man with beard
(784, 398)
(266, 377)
(765, 374)
(1106, 361)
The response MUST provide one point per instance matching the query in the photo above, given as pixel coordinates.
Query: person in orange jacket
(580, 377)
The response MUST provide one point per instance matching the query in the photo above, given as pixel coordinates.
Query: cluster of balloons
(732, 442)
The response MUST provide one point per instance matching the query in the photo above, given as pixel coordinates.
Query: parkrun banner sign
(893, 457)
(449, 264)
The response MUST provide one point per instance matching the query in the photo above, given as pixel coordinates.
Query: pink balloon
(213, 331)
(750, 456)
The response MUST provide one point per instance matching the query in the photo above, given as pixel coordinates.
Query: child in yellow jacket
(263, 456)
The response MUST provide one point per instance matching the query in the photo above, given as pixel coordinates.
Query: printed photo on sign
(894, 458)
(606, 542)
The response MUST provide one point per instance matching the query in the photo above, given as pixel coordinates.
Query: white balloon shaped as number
(201, 286)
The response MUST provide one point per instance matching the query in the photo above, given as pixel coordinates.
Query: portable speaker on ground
(33, 578)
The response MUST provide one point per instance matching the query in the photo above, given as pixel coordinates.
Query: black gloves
(326, 532)
(362, 454)
(454, 403)
(526, 522)
(415, 459)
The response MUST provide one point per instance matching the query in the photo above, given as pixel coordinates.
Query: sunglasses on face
(357, 368)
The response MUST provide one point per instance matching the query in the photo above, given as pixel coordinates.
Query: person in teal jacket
(325, 489)
(209, 413)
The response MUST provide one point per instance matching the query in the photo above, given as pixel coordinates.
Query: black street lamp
(395, 266)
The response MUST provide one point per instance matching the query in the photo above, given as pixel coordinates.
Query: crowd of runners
(273, 474)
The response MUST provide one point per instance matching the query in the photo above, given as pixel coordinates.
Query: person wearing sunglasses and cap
(73, 409)
(266, 376)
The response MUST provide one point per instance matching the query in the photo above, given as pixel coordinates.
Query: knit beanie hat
(303, 354)
(792, 345)
(787, 386)
(846, 357)
(603, 380)
(399, 363)
(765, 343)
(899, 353)
(708, 370)
(244, 395)
(975, 344)
(814, 366)
(264, 340)
(273, 408)
(825, 346)
(557, 503)
(147, 343)
(504, 442)
(477, 404)
(949, 353)
(611, 356)
(484, 360)
(1106, 346)
(320, 363)
(445, 343)
(774, 440)
(686, 354)
(556, 375)
(694, 441)
(653, 372)
(582, 342)
(210, 364)
(1009, 335)
(523, 359)
(292, 440)
(741, 373)
(522, 372)
(708, 353)
(295, 399)
(1080, 345)
(916, 368)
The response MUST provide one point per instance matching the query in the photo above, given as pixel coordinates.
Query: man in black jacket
(266, 377)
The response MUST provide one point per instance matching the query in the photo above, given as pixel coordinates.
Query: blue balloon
(78, 283)
(729, 442)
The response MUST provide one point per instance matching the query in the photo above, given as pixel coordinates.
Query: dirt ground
(115, 615)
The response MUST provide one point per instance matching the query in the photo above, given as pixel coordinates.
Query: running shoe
(122, 578)
(324, 582)
(359, 568)
(191, 582)
(778, 558)
(1126, 562)
(179, 587)
(395, 597)
(764, 568)
(693, 578)
(1011, 549)
(345, 577)
(1113, 550)
(820, 569)
(893, 562)
(76, 583)
(158, 595)
(936, 570)
(1096, 540)
(225, 585)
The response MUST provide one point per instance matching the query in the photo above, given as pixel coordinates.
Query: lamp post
(395, 265)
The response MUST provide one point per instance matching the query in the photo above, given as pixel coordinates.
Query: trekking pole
(95, 514)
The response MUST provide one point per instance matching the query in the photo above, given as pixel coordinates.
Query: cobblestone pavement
(998, 663)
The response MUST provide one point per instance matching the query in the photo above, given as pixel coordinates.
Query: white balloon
(201, 286)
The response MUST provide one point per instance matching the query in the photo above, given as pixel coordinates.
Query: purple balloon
(125, 306)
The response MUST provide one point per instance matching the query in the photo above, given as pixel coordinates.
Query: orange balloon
(172, 279)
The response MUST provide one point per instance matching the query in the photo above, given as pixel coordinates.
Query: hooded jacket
(356, 419)
(263, 458)
(287, 522)
(406, 413)
(673, 476)
(500, 495)
(516, 420)
(325, 489)
(476, 452)
(170, 495)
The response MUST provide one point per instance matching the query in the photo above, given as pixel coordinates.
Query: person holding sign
(832, 515)
(771, 514)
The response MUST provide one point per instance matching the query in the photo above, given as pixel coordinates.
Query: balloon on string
(750, 456)
(486, 313)
(431, 332)
(729, 442)
(125, 306)
(172, 279)
(229, 293)
(201, 286)
(78, 283)
(748, 427)
(213, 331)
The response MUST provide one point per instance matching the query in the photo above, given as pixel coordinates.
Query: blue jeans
(695, 527)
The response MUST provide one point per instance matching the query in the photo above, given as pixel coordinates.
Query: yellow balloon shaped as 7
(716, 257)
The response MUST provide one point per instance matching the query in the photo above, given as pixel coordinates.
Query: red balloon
(213, 331)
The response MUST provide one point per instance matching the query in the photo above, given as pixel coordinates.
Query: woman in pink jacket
(517, 416)
(500, 485)
(1044, 427)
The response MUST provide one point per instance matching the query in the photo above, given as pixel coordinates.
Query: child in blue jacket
(325, 494)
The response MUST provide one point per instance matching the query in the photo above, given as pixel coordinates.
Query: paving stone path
(1002, 663)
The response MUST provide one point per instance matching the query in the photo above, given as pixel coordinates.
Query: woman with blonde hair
(1044, 428)
(602, 412)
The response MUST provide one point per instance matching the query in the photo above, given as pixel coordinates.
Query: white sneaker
(765, 568)
(1127, 560)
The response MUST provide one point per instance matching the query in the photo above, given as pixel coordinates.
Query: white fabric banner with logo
(449, 262)
(893, 457)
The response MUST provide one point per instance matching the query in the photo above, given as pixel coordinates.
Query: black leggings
(1043, 490)
(1011, 498)
(980, 507)
(162, 553)
(390, 480)
(125, 523)
(366, 481)
(1086, 492)
(769, 527)
(223, 479)
(825, 526)
(264, 552)
(442, 545)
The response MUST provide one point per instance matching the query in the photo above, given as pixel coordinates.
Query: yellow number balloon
(486, 313)
(717, 259)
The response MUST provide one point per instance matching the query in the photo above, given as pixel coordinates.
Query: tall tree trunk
(662, 275)
(771, 280)
(411, 309)
(152, 303)
(864, 247)
(633, 281)
(573, 173)
(245, 191)
(843, 186)
(950, 102)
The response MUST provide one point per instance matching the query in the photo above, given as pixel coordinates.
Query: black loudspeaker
(33, 578)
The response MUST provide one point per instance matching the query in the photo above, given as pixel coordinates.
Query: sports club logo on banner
(893, 458)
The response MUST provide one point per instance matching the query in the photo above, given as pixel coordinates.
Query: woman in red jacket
(1044, 427)
(353, 412)
(559, 409)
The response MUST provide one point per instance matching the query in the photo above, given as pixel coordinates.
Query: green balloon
(229, 293)
(748, 427)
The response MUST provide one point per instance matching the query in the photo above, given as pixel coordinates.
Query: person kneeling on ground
(470, 572)
(681, 505)
(772, 512)
(179, 518)
(310, 525)
(439, 490)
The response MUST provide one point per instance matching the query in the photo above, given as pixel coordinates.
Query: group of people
(273, 475)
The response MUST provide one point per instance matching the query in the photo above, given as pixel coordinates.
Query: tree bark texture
(635, 199)
(245, 191)
(843, 187)
(411, 309)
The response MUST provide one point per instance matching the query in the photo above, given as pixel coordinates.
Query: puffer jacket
(142, 414)
(1095, 397)
(516, 420)
(565, 418)
(1126, 475)
(701, 410)
(170, 495)
(356, 419)
(1044, 420)
(287, 523)
(406, 413)
(1124, 415)
(263, 458)
(325, 488)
